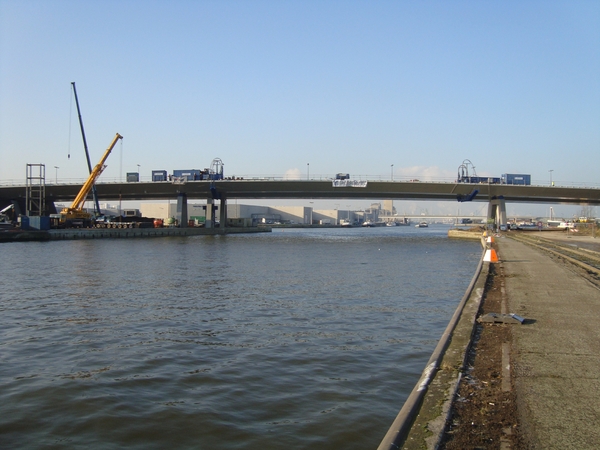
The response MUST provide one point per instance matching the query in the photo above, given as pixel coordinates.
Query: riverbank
(515, 387)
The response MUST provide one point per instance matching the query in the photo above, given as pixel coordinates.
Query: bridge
(496, 195)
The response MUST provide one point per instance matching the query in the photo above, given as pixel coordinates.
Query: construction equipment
(216, 170)
(5, 220)
(87, 154)
(74, 215)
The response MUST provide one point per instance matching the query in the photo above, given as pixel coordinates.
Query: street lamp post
(551, 183)
(308, 171)
(56, 175)
(392, 172)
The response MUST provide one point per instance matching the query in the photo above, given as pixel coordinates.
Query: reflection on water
(293, 339)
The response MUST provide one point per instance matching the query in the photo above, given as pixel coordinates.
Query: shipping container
(23, 222)
(516, 178)
(479, 180)
(39, 222)
(159, 175)
(131, 213)
(189, 175)
(133, 177)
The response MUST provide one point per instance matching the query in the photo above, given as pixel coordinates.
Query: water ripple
(295, 339)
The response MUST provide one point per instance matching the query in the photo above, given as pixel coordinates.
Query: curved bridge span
(497, 195)
(272, 189)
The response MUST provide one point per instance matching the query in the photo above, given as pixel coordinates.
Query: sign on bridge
(349, 183)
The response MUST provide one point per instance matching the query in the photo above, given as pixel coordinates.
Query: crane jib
(77, 205)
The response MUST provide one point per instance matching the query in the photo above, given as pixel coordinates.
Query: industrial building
(253, 215)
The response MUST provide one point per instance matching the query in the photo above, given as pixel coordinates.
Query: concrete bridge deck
(305, 189)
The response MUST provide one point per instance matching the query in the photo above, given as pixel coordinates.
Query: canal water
(295, 339)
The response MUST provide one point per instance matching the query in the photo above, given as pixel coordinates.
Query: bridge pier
(209, 222)
(223, 212)
(497, 211)
(182, 214)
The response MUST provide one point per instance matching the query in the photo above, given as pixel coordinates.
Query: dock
(118, 233)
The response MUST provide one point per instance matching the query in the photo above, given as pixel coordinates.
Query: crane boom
(85, 147)
(76, 208)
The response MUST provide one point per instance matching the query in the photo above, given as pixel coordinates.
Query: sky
(303, 88)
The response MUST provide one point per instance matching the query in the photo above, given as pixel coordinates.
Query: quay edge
(422, 419)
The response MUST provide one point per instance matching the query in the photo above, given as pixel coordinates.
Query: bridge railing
(369, 178)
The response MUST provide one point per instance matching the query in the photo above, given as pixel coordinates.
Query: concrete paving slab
(557, 369)
(562, 424)
(569, 366)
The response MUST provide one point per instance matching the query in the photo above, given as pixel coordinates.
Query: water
(294, 339)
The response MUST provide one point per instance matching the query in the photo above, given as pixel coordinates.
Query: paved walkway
(573, 239)
(556, 356)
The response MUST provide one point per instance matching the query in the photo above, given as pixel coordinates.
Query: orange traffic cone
(490, 239)
(490, 256)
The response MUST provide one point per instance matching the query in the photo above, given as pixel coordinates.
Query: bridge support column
(223, 212)
(182, 213)
(210, 213)
(497, 211)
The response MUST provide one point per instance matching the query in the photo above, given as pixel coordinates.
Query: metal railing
(256, 177)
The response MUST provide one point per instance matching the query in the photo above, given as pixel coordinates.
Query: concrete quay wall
(422, 419)
(118, 233)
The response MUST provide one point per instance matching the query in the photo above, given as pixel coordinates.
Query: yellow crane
(74, 215)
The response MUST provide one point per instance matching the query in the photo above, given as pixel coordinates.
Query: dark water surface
(294, 339)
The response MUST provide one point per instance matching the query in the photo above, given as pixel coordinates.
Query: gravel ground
(484, 415)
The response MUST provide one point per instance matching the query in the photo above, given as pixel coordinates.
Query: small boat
(391, 224)
(553, 223)
(564, 225)
(368, 223)
(422, 225)
(527, 226)
(345, 223)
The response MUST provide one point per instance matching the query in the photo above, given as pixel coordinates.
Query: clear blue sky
(271, 86)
